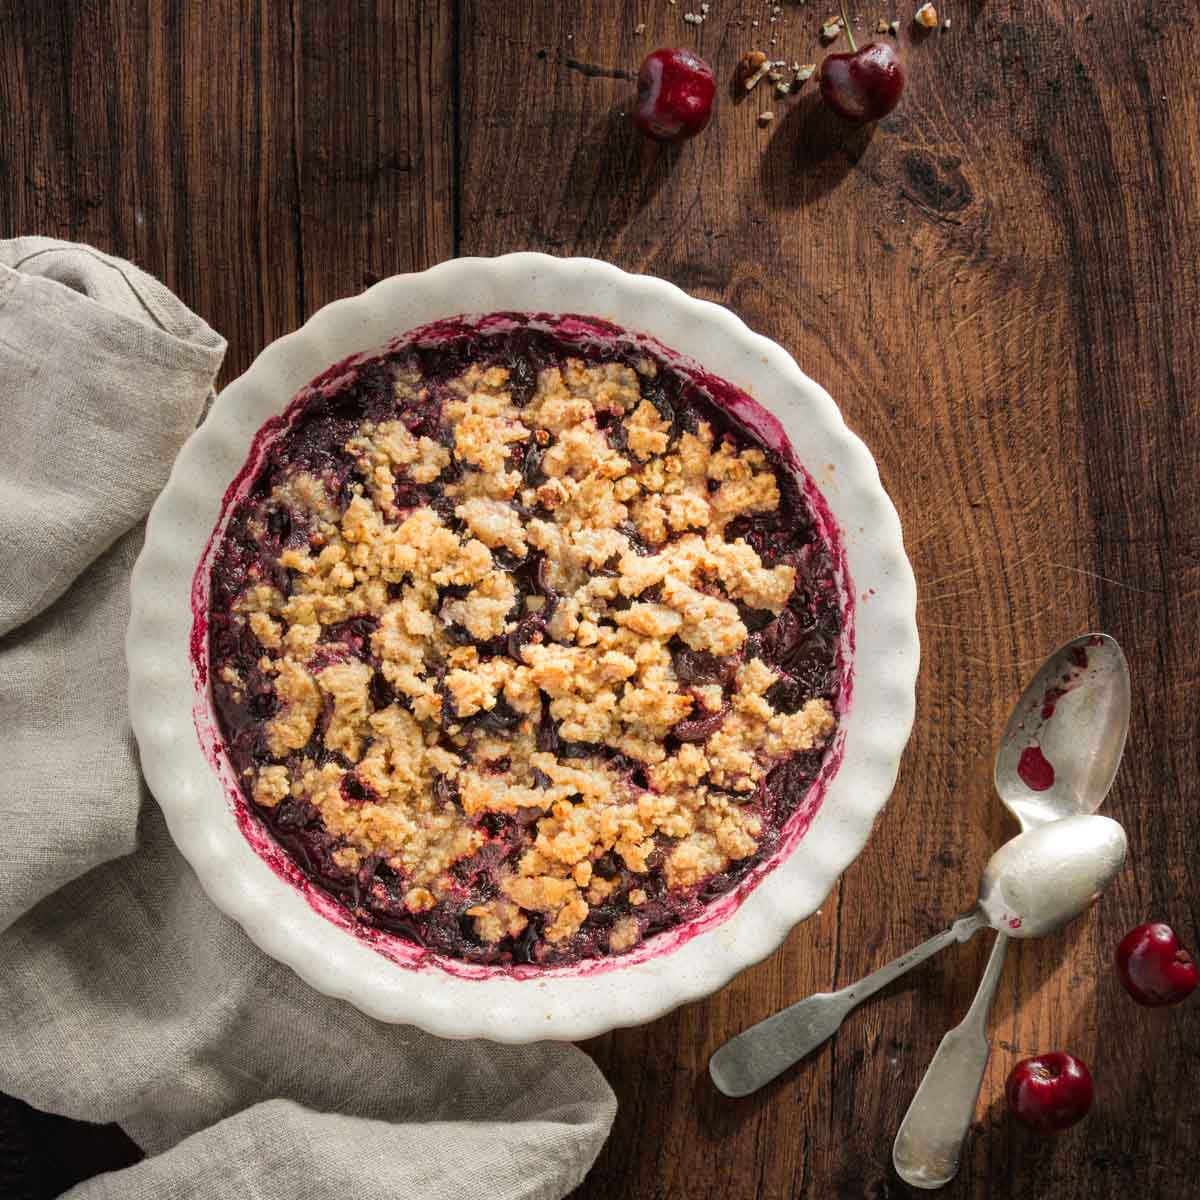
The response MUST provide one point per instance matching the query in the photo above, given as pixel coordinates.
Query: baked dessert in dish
(522, 644)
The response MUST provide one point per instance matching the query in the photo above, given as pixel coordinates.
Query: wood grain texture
(998, 285)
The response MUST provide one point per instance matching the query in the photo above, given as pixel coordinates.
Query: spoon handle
(927, 1148)
(756, 1055)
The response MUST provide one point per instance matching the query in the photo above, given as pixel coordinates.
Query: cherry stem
(849, 35)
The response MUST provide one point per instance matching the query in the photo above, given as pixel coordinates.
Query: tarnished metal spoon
(1033, 885)
(1068, 733)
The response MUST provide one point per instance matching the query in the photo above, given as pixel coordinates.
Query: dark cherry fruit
(1049, 1093)
(1155, 969)
(675, 95)
(864, 83)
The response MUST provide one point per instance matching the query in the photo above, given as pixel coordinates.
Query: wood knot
(936, 183)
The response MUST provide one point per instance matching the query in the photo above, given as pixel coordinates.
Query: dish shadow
(811, 151)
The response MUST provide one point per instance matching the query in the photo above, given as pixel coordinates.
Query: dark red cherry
(1155, 969)
(675, 95)
(863, 83)
(1049, 1093)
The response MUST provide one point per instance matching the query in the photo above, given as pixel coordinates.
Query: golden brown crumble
(601, 664)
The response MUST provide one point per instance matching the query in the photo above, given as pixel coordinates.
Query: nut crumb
(926, 16)
(752, 66)
(765, 118)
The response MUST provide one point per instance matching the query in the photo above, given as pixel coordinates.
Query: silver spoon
(1031, 886)
(1076, 712)
(1017, 894)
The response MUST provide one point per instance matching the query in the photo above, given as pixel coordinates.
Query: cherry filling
(800, 642)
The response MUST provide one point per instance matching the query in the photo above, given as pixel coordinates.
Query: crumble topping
(480, 631)
(301, 702)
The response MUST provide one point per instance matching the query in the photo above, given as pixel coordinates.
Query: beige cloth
(124, 994)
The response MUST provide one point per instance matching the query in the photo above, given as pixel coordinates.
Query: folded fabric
(124, 994)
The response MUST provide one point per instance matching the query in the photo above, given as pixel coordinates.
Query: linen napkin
(124, 994)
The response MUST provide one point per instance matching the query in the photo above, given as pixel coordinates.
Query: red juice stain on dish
(197, 643)
(1035, 770)
(1050, 701)
(1078, 657)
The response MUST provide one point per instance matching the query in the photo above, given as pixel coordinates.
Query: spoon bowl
(1047, 876)
(1064, 740)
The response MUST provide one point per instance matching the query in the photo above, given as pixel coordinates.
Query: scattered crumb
(946, 23)
(640, 27)
(782, 88)
(830, 31)
(765, 118)
(881, 26)
(752, 66)
(694, 18)
(894, 27)
(926, 16)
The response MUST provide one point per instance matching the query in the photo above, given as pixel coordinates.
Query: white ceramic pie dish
(169, 706)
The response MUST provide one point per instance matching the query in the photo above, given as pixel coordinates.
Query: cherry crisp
(521, 646)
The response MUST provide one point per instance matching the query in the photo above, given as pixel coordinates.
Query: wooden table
(999, 285)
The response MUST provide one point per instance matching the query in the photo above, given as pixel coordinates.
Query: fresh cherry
(1155, 969)
(1050, 1092)
(864, 83)
(675, 95)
